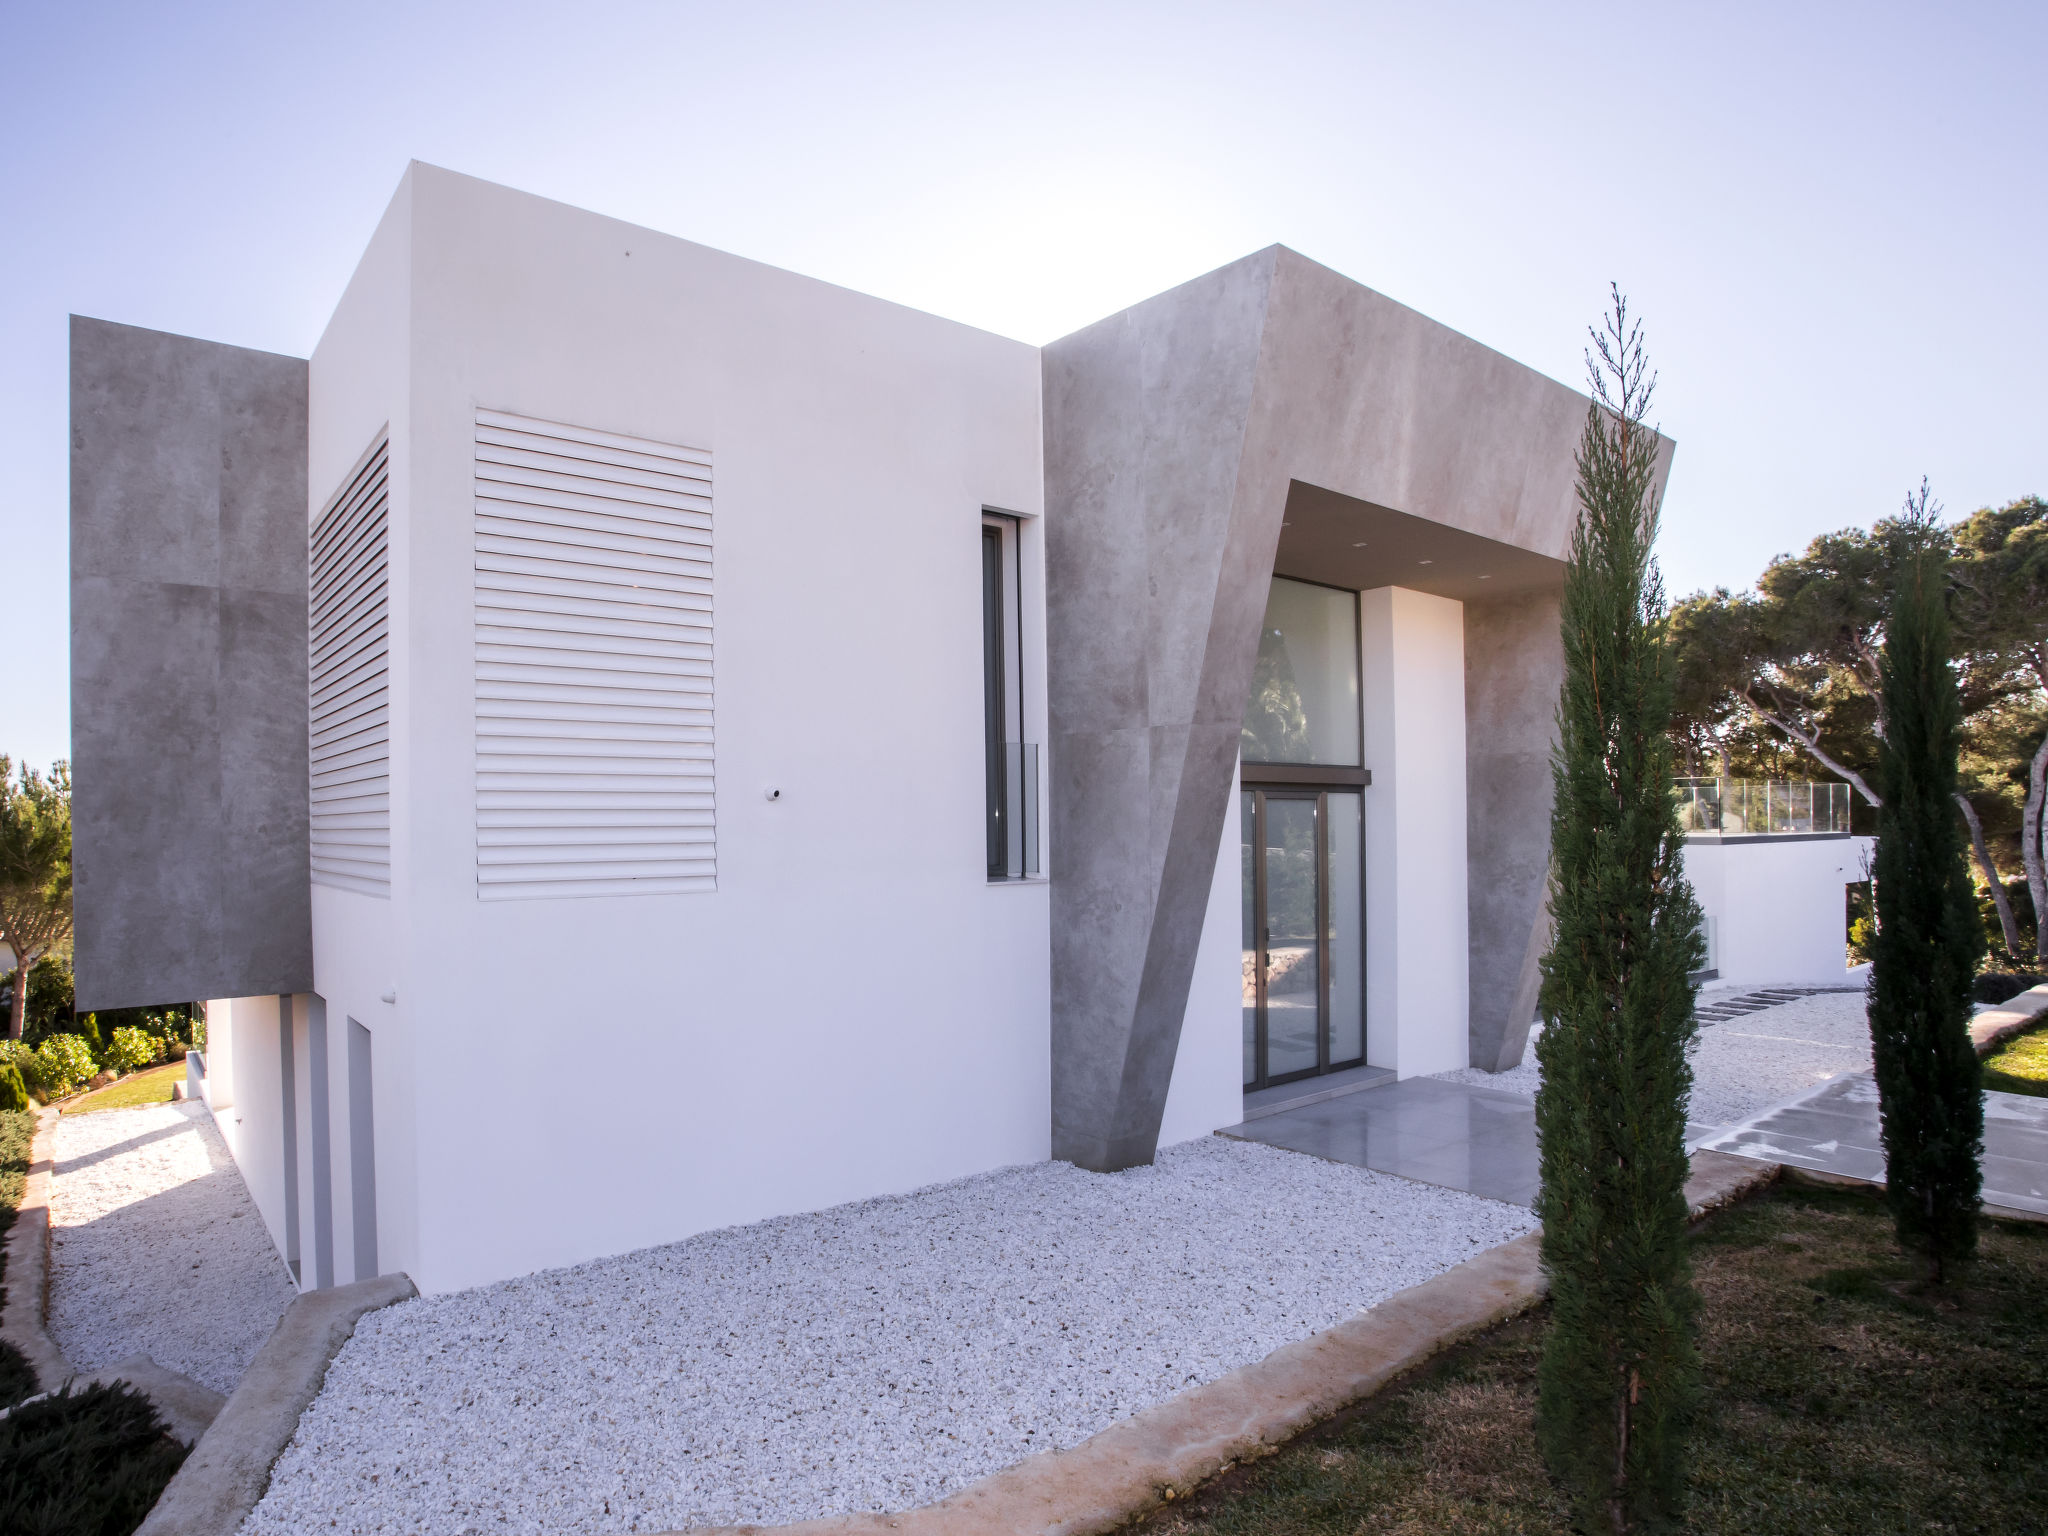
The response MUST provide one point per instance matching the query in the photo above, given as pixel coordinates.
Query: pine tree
(1620, 1370)
(1928, 934)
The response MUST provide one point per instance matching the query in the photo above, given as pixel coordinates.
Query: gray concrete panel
(1514, 665)
(1175, 435)
(1144, 416)
(188, 669)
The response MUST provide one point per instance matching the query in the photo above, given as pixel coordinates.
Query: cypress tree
(1620, 1369)
(1928, 935)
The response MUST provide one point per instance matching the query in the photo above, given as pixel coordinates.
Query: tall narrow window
(1010, 762)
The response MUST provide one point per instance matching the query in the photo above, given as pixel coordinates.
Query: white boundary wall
(1777, 906)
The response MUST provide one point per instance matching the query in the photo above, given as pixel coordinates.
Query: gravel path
(1745, 1064)
(155, 1247)
(874, 1356)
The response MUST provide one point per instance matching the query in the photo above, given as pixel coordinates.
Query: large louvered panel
(350, 722)
(593, 662)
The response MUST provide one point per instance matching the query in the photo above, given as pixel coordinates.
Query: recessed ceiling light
(1429, 562)
(1287, 525)
(1359, 545)
(1486, 578)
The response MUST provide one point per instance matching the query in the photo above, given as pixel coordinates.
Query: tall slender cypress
(1620, 1370)
(1928, 935)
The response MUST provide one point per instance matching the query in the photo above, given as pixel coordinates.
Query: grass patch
(2020, 1065)
(1843, 1400)
(90, 1463)
(152, 1085)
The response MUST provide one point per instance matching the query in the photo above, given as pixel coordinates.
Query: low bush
(13, 1091)
(58, 1065)
(1998, 986)
(131, 1049)
(92, 1461)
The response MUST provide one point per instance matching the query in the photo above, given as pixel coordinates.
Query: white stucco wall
(854, 1010)
(1207, 1091)
(1413, 681)
(1778, 910)
(244, 1090)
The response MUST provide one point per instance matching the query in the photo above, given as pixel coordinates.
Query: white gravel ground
(155, 1247)
(1748, 1063)
(870, 1357)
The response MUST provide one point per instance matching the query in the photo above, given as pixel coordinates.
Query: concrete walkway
(156, 1248)
(1834, 1129)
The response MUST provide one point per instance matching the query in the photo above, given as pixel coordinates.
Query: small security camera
(771, 793)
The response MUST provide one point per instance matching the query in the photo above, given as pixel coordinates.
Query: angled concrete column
(1156, 576)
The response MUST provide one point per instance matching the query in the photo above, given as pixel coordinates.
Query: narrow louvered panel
(349, 721)
(593, 663)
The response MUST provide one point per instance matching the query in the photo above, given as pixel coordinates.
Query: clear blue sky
(1831, 218)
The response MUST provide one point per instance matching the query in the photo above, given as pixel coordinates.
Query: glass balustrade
(1762, 808)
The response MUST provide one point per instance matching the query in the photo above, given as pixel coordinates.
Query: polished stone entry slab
(1479, 1140)
(1459, 1135)
(1834, 1129)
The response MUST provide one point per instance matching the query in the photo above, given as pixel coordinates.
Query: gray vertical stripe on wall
(349, 725)
(317, 1091)
(594, 663)
(362, 1152)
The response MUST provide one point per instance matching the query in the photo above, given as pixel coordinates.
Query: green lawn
(152, 1085)
(2020, 1065)
(1841, 1402)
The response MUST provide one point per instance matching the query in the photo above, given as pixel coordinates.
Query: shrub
(60, 1064)
(1998, 986)
(1929, 939)
(13, 1091)
(90, 1461)
(130, 1049)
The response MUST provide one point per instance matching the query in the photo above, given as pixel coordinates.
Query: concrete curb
(24, 1324)
(229, 1468)
(1993, 1027)
(1142, 1462)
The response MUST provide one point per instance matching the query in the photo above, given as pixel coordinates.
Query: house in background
(636, 741)
(1771, 862)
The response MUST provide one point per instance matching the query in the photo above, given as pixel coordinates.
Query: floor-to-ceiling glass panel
(1248, 831)
(1345, 942)
(1293, 977)
(1304, 699)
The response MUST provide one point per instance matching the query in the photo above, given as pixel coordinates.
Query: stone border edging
(1994, 1026)
(1140, 1463)
(229, 1468)
(25, 1322)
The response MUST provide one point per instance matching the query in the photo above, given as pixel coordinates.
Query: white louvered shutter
(593, 663)
(349, 635)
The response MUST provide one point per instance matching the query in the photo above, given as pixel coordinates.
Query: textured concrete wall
(1155, 587)
(1173, 433)
(1514, 665)
(188, 668)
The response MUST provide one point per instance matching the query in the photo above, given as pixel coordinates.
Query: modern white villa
(770, 747)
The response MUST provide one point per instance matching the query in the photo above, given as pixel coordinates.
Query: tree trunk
(2007, 926)
(2031, 847)
(1811, 746)
(17, 1012)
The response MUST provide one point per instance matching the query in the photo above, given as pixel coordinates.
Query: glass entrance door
(1304, 933)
